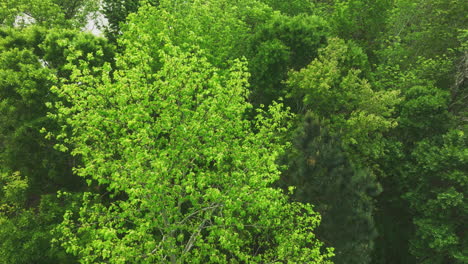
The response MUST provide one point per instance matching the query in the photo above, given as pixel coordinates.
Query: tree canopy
(248, 131)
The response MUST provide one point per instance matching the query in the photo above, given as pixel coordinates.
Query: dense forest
(234, 131)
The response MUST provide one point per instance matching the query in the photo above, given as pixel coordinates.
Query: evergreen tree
(341, 192)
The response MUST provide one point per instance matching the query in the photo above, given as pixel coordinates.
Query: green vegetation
(249, 131)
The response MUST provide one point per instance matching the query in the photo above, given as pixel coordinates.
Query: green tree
(273, 43)
(116, 13)
(426, 28)
(423, 57)
(47, 13)
(332, 86)
(25, 84)
(189, 178)
(31, 60)
(429, 174)
(280, 44)
(363, 21)
(439, 176)
(292, 8)
(357, 119)
(342, 192)
(25, 231)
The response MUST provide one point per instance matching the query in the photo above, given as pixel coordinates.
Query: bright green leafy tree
(293, 8)
(273, 43)
(174, 165)
(188, 178)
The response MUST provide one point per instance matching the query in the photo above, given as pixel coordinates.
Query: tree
(31, 60)
(292, 8)
(188, 178)
(357, 118)
(426, 28)
(116, 13)
(273, 43)
(47, 13)
(280, 44)
(429, 175)
(342, 192)
(24, 89)
(423, 57)
(182, 158)
(439, 198)
(332, 86)
(25, 231)
(362, 21)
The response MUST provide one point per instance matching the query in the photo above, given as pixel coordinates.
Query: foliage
(12, 193)
(166, 121)
(272, 43)
(116, 13)
(343, 193)
(427, 28)
(292, 8)
(331, 87)
(47, 13)
(282, 43)
(362, 21)
(31, 60)
(423, 58)
(358, 118)
(57, 47)
(24, 86)
(439, 198)
(194, 181)
(24, 232)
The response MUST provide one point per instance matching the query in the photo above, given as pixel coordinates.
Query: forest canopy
(248, 131)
